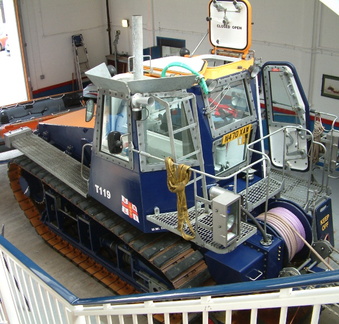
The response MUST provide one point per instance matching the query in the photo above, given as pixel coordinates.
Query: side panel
(131, 195)
(117, 188)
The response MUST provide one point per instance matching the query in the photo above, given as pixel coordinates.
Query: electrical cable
(284, 221)
(291, 230)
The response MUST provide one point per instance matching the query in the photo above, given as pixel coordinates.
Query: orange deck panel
(73, 119)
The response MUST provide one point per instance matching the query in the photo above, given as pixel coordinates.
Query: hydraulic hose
(202, 81)
(263, 233)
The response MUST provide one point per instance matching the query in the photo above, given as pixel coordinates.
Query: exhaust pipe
(137, 37)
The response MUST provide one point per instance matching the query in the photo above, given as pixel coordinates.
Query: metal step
(297, 187)
(56, 162)
(257, 193)
(202, 223)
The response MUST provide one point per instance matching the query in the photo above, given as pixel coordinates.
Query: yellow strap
(177, 178)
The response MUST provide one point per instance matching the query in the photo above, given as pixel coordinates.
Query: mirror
(114, 142)
(89, 110)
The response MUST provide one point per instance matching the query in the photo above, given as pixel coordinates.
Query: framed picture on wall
(330, 86)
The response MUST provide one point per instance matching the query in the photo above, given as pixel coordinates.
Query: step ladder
(80, 60)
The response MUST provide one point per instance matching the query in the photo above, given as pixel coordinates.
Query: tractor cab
(182, 147)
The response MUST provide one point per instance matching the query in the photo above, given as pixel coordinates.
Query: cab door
(286, 107)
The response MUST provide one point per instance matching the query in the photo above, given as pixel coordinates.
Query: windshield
(232, 119)
(228, 106)
(230, 150)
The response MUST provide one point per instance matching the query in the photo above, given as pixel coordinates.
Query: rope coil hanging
(318, 130)
(288, 226)
(177, 178)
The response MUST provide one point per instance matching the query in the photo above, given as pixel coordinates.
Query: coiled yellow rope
(317, 132)
(177, 178)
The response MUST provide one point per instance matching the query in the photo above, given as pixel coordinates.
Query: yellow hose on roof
(177, 178)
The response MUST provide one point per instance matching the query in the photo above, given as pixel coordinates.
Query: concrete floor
(19, 232)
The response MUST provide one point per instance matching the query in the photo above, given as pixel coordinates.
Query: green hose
(202, 81)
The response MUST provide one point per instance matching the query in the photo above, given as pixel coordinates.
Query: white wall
(302, 32)
(165, 18)
(48, 26)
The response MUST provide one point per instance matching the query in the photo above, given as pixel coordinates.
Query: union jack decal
(129, 209)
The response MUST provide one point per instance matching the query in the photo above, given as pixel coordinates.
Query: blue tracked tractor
(178, 176)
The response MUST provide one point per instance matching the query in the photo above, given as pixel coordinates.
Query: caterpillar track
(166, 254)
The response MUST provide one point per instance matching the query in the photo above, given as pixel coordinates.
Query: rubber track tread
(159, 248)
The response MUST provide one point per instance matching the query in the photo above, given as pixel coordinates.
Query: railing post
(78, 319)
(5, 292)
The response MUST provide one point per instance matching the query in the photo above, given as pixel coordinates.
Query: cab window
(114, 118)
(167, 130)
(229, 106)
(230, 151)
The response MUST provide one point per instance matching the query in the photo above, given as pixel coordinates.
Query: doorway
(13, 77)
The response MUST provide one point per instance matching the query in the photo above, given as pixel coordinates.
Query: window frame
(115, 158)
(229, 80)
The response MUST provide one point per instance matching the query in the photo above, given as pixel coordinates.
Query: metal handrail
(82, 161)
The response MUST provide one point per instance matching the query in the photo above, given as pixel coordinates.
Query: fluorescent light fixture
(124, 23)
(332, 4)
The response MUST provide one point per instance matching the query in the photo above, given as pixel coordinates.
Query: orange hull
(32, 123)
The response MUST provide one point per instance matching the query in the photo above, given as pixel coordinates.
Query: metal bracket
(324, 248)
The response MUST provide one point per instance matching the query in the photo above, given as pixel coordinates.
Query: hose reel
(289, 222)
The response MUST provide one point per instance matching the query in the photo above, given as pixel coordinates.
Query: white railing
(2, 313)
(30, 295)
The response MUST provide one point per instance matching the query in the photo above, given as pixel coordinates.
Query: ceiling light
(124, 23)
